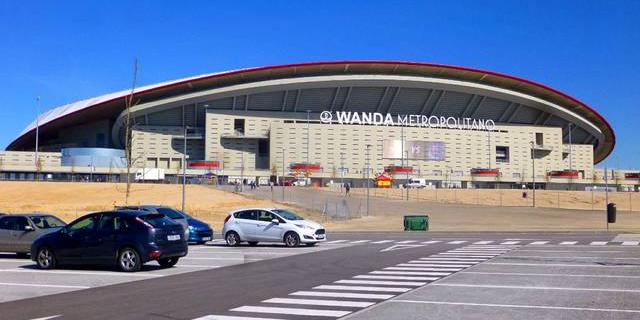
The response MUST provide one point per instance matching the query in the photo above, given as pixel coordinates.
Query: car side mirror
(28, 228)
(275, 221)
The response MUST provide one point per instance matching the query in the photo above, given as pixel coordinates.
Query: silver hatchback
(271, 225)
(18, 231)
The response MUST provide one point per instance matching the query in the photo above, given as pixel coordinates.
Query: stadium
(331, 122)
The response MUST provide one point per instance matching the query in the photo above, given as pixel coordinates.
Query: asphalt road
(247, 286)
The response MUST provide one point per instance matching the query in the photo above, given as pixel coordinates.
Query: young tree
(127, 130)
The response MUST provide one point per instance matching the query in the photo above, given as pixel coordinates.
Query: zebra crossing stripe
(382, 241)
(441, 269)
(630, 243)
(598, 243)
(409, 278)
(568, 242)
(361, 288)
(412, 273)
(293, 311)
(421, 262)
(350, 295)
(418, 266)
(511, 242)
(324, 303)
(539, 242)
(406, 241)
(457, 242)
(220, 317)
(483, 242)
(360, 241)
(453, 259)
(337, 241)
(431, 242)
(382, 283)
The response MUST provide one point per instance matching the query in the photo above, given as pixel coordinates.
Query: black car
(127, 239)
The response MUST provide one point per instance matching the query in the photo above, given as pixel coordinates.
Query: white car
(255, 225)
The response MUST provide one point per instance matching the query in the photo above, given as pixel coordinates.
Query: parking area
(22, 279)
(530, 282)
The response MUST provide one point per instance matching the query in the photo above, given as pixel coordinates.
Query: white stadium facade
(329, 121)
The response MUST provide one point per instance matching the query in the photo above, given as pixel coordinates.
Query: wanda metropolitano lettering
(411, 120)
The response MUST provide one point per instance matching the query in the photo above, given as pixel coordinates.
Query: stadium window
(502, 154)
(539, 138)
(238, 126)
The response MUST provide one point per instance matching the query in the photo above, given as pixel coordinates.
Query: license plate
(320, 236)
(206, 238)
(173, 237)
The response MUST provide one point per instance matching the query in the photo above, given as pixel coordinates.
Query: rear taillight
(146, 224)
(227, 218)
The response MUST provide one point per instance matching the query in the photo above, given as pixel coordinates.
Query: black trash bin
(611, 212)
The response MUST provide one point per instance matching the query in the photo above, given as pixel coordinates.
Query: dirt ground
(72, 200)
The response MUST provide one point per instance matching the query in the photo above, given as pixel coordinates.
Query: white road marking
(362, 288)
(406, 241)
(203, 258)
(317, 302)
(431, 242)
(88, 273)
(337, 241)
(484, 242)
(47, 318)
(572, 257)
(598, 243)
(460, 255)
(195, 266)
(493, 305)
(359, 241)
(441, 261)
(217, 317)
(418, 266)
(560, 265)
(342, 295)
(382, 241)
(511, 242)
(294, 311)
(382, 283)
(42, 285)
(454, 259)
(530, 287)
(409, 273)
(457, 242)
(568, 242)
(397, 278)
(554, 274)
(538, 242)
(449, 268)
(630, 243)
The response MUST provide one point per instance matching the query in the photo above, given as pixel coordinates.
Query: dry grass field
(72, 200)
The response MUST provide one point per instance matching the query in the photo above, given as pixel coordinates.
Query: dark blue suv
(127, 239)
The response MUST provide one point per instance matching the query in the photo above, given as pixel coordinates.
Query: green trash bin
(416, 223)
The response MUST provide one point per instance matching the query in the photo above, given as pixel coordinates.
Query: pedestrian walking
(347, 188)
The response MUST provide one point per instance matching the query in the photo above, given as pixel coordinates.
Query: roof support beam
(466, 108)
(284, 99)
(333, 100)
(346, 99)
(295, 104)
(514, 113)
(384, 95)
(435, 106)
(393, 99)
(503, 116)
(246, 102)
(426, 101)
(542, 118)
(475, 111)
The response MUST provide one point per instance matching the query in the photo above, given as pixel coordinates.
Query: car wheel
(168, 262)
(232, 238)
(291, 239)
(45, 258)
(253, 243)
(129, 260)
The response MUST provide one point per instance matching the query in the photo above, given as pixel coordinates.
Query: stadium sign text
(411, 120)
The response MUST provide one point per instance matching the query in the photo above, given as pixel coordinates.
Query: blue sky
(65, 51)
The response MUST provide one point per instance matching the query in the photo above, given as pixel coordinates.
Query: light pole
(533, 160)
(283, 173)
(184, 166)
(406, 169)
(606, 194)
(307, 168)
(368, 168)
(341, 170)
(570, 154)
(241, 170)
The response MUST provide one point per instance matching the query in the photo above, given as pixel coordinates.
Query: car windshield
(171, 213)
(157, 220)
(46, 222)
(288, 215)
